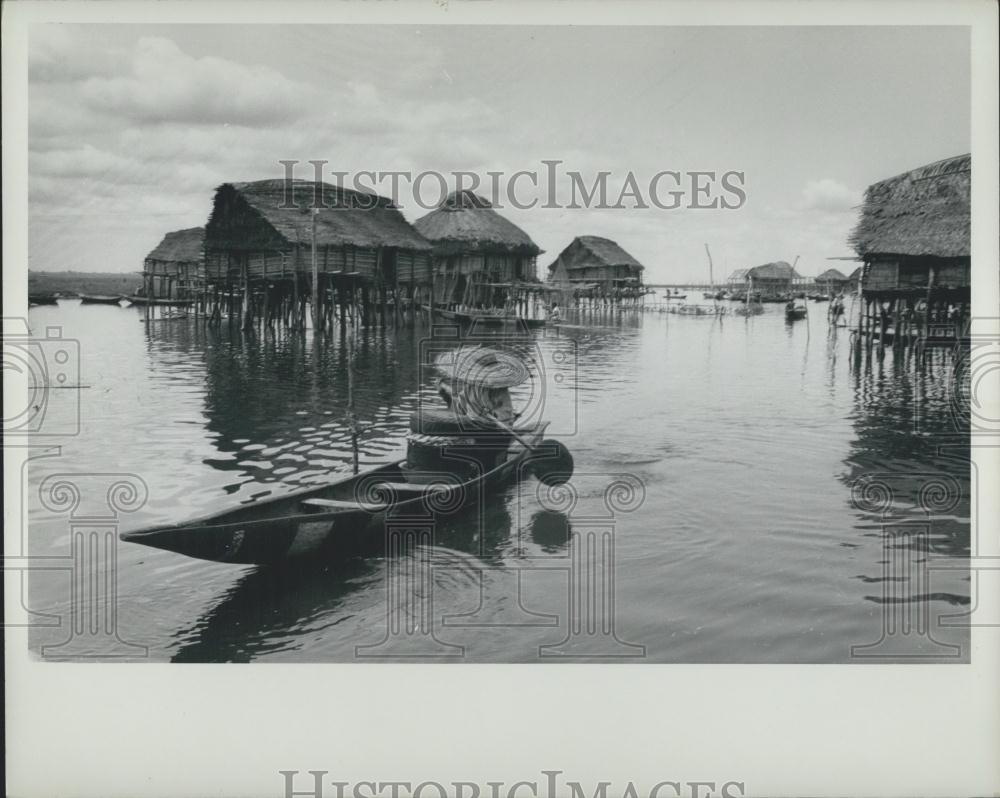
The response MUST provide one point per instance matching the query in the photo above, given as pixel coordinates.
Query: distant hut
(260, 235)
(480, 258)
(175, 269)
(914, 238)
(773, 278)
(738, 279)
(592, 262)
(832, 280)
(768, 280)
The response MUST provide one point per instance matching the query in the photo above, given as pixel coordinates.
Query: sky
(131, 128)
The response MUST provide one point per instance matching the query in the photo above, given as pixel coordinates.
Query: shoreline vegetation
(71, 283)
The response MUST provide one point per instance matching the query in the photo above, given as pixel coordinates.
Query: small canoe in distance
(42, 299)
(98, 299)
(169, 315)
(142, 301)
(796, 313)
(348, 516)
(486, 319)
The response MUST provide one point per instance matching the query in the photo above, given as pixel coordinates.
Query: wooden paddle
(558, 472)
(510, 430)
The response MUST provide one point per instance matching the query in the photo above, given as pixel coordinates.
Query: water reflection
(550, 530)
(269, 609)
(908, 472)
(763, 453)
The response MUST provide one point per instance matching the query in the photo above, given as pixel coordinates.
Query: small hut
(769, 280)
(738, 279)
(480, 258)
(597, 263)
(262, 237)
(832, 276)
(832, 280)
(773, 278)
(914, 238)
(176, 268)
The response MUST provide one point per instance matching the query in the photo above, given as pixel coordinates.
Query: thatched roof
(470, 222)
(779, 270)
(353, 218)
(586, 252)
(181, 246)
(609, 252)
(831, 276)
(738, 276)
(920, 213)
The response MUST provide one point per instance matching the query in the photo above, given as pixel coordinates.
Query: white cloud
(68, 53)
(168, 85)
(829, 195)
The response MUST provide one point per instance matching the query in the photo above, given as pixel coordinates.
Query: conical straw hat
(481, 365)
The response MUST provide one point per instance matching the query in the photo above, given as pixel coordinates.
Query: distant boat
(97, 299)
(170, 315)
(483, 318)
(42, 299)
(145, 300)
(795, 311)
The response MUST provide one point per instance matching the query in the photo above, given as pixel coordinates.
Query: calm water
(754, 540)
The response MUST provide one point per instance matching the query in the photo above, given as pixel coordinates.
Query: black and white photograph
(414, 340)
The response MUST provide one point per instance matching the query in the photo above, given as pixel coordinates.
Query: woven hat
(481, 365)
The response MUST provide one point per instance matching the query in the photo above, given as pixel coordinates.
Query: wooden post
(398, 304)
(927, 309)
(430, 314)
(315, 275)
(247, 306)
(295, 290)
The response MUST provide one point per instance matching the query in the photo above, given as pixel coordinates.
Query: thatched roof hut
(832, 276)
(176, 265)
(738, 277)
(914, 231)
(924, 212)
(265, 227)
(777, 272)
(180, 246)
(466, 222)
(275, 214)
(592, 259)
(481, 258)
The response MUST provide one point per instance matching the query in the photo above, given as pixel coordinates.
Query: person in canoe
(554, 315)
(477, 383)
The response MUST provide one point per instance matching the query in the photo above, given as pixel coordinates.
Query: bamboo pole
(315, 274)
(351, 419)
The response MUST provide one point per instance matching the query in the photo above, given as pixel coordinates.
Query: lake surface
(745, 491)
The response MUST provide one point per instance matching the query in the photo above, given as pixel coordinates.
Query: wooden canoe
(95, 299)
(344, 518)
(145, 300)
(486, 319)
